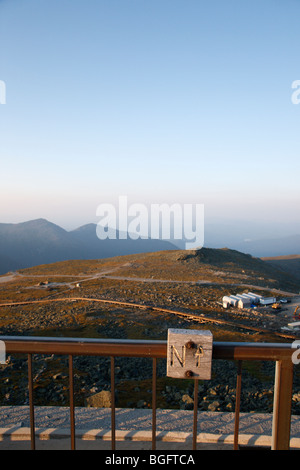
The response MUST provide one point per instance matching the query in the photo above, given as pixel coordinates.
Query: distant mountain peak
(39, 221)
(86, 227)
(39, 241)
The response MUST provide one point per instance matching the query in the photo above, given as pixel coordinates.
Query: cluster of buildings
(247, 300)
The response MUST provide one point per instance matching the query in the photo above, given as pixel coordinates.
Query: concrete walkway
(134, 429)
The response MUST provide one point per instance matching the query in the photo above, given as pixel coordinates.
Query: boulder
(99, 400)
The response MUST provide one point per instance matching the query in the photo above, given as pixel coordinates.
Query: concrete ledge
(23, 434)
(135, 425)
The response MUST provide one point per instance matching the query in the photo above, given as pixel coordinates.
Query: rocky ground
(180, 283)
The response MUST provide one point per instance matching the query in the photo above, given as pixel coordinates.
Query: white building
(257, 296)
(244, 303)
(234, 299)
(229, 301)
(246, 300)
(267, 300)
(254, 300)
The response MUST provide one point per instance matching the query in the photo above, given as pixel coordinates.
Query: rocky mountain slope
(141, 296)
(289, 264)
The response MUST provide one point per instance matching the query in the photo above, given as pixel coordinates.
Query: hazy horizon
(233, 230)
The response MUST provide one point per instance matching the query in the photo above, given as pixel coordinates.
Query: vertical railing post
(154, 405)
(113, 404)
(31, 405)
(237, 406)
(195, 418)
(72, 406)
(282, 406)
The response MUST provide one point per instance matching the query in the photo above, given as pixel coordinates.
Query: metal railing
(280, 353)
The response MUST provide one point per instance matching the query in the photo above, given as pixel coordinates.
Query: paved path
(215, 430)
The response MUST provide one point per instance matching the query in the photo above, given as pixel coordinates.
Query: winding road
(107, 274)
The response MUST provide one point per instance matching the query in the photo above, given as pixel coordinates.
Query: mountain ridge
(39, 241)
(287, 263)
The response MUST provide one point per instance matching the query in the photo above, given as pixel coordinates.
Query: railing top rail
(280, 352)
(141, 348)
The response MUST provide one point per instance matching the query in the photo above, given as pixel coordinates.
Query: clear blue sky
(159, 100)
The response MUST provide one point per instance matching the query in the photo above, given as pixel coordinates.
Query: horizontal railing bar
(140, 348)
(86, 348)
(253, 351)
(74, 339)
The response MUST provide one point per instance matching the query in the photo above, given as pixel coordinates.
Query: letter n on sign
(189, 354)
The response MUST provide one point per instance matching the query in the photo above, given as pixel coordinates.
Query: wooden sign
(189, 354)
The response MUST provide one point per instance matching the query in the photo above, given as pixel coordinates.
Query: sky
(163, 101)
